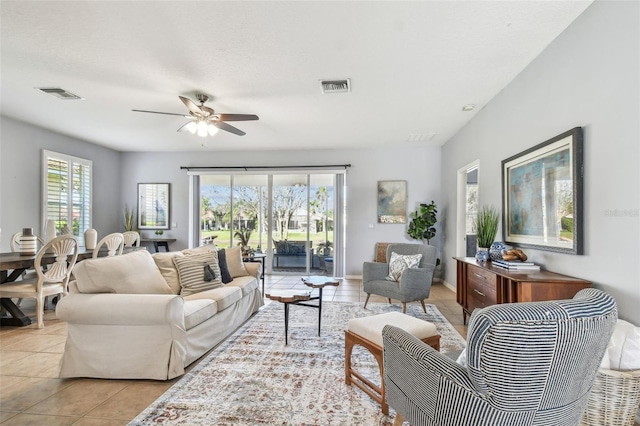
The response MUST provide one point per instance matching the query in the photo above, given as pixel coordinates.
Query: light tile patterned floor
(31, 393)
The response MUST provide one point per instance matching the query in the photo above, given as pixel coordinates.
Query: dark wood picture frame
(154, 206)
(542, 195)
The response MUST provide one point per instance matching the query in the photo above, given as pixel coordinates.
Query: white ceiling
(412, 65)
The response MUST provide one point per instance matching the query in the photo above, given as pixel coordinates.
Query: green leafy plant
(243, 236)
(422, 222)
(486, 225)
(129, 216)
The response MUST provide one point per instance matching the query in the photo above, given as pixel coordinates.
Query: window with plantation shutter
(67, 193)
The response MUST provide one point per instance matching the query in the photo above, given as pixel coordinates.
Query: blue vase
(482, 254)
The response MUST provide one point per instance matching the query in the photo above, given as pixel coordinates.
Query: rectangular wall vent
(335, 86)
(58, 93)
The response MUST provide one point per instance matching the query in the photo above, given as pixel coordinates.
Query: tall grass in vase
(486, 227)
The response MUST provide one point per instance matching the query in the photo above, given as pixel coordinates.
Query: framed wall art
(153, 206)
(392, 201)
(542, 195)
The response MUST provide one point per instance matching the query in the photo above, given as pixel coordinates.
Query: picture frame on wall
(392, 201)
(154, 203)
(542, 195)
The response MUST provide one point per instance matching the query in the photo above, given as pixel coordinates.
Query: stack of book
(516, 265)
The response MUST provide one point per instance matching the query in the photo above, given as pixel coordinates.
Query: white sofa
(127, 320)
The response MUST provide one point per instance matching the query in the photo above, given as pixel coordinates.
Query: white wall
(589, 77)
(21, 148)
(420, 167)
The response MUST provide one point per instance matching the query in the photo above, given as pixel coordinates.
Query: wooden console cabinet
(482, 284)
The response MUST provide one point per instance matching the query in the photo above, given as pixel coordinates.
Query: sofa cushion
(224, 269)
(198, 311)
(234, 262)
(207, 248)
(224, 296)
(198, 272)
(399, 262)
(246, 284)
(132, 273)
(164, 262)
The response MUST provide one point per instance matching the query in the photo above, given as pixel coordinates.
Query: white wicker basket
(614, 399)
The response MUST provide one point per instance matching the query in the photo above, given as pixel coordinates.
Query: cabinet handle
(478, 275)
(479, 292)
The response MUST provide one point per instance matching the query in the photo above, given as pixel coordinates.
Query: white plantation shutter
(67, 192)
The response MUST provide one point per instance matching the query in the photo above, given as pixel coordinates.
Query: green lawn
(223, 238)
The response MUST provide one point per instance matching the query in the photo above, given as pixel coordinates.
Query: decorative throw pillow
(224, 269)
(399, 262)
(235, 263)
(207, 248)
(198, 272)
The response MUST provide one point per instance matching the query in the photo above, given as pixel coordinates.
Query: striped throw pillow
(198, 272)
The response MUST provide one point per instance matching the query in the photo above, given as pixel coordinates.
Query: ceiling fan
(204, 120)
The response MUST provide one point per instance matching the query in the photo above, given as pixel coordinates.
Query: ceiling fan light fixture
(202, 129)
(212, 129)
(192, 127)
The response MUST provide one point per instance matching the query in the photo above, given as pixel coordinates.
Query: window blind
(67, 192)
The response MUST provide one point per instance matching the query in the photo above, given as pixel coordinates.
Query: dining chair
(15, 247)
(131, 239)
(114, 243)
(52, 281)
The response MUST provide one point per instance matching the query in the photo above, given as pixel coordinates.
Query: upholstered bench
(367, 332)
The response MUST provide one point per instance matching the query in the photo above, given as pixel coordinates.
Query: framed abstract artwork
(542, 195)
(153, 205)
(392, 201)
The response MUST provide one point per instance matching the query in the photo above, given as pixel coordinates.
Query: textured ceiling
(412, 65)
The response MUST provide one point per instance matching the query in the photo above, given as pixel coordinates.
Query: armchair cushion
(399, 262)
(132, 273)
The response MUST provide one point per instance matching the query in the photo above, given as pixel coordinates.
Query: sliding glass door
(289, 217)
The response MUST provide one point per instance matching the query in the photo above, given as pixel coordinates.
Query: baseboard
(353, 277)
(449, 286)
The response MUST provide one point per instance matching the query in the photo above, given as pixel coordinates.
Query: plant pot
(482, 254)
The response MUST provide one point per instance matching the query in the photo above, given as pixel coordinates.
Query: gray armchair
(414, 283)
(527, 364)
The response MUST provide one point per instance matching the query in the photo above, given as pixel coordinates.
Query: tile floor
(31, 393)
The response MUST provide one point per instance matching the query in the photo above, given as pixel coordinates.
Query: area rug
(254, 379)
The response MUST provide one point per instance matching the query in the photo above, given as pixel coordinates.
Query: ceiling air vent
(58, 93)
(335, 86)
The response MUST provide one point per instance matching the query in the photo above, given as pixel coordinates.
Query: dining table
(13, 264)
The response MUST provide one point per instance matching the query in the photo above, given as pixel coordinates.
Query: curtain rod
(247, 168)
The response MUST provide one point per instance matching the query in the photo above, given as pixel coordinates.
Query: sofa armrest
(121, 309)
(253, 268)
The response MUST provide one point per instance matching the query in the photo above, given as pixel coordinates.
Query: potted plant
(243, 236)
(129, 216)
(325, 248)
(422, 223)
(486, 227)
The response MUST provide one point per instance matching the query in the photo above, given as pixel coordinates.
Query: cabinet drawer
(481, 285)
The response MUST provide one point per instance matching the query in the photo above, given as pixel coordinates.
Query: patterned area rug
(254, 379)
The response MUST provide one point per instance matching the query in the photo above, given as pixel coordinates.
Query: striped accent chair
(526, 364)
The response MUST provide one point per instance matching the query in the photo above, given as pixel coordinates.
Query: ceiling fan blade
(158, 112)
(191, 105)
(236, 117)
(229, 128)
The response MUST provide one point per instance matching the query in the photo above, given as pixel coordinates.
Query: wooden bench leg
(398, 420)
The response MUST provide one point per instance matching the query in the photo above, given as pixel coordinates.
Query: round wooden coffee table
(298, 297)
